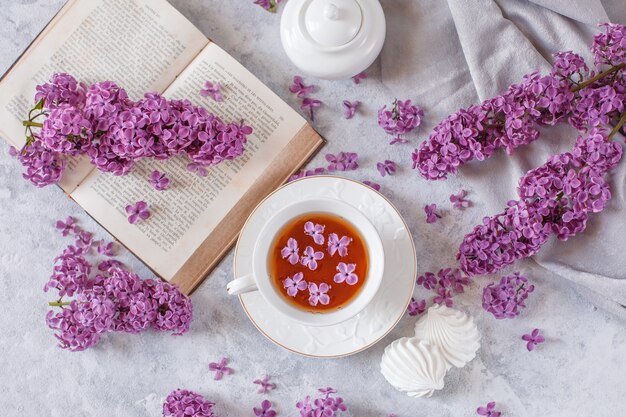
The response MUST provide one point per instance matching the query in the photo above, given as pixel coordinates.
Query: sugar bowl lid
(333, 39)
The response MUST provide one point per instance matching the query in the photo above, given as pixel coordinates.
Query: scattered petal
(220, 368)
(213, 90)
(359, 77)
(386, 168)
(416, 307)
(458, 200)
(431, 214)
(299, 88)
(310, 104)
(265, 385)
(159, 181)
(350, 108)
(372, 184)
(533, 339)
(137, 211)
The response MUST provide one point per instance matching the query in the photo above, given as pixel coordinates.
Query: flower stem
(599, 76)
(58, 303)
(30, 123)
(618, 126)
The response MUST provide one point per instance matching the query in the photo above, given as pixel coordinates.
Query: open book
(147, 46)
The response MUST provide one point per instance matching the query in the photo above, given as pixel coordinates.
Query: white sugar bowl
(332, 39)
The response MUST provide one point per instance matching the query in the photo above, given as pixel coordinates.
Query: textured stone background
(578, 371)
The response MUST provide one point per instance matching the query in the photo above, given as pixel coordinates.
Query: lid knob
(333, 22)
(331, 11)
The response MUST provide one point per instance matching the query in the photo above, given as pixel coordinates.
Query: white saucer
(389, 304)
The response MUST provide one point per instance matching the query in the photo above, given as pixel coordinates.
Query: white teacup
(261, 281)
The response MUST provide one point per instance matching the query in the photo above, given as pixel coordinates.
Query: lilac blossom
(431, 213)
(359, 77)
(386, 168)
(372, 184)
(309, 105)
(213, 90)
(345, 272)
(264, 384)
(415, 307)
(295, 284)
(338, 245)
(507, 298)
(114, 132)
(137, 211)
(350, 108)
(299, 88)
(316, 231)
(291, 251)
(116, 300)
(343, 161)
(555, 198)
(533, 339)
(310, 258)
(318, 294)
(568, 93)
(265, 410)
(458, 200)
(220, 368)
(184, 403)
(159, 181)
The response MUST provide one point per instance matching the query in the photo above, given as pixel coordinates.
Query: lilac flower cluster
(184, 403)
(103, 123)
(401, 119)
(555, 198)
(505, 121)
(609, 47)
(328, 405)
(114, 300)
(444, 284)
(570, 92)
(506, 299)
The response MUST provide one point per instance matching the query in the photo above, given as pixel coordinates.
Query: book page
(142, 45)
(184, 216)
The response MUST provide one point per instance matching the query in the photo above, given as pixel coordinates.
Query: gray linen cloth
(496, 43)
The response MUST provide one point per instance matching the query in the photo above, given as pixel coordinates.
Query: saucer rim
(391, 327)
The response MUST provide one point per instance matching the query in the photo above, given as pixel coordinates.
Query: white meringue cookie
(416, 367)
(452, 331)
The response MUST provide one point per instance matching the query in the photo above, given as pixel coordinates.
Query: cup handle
(241, 285)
